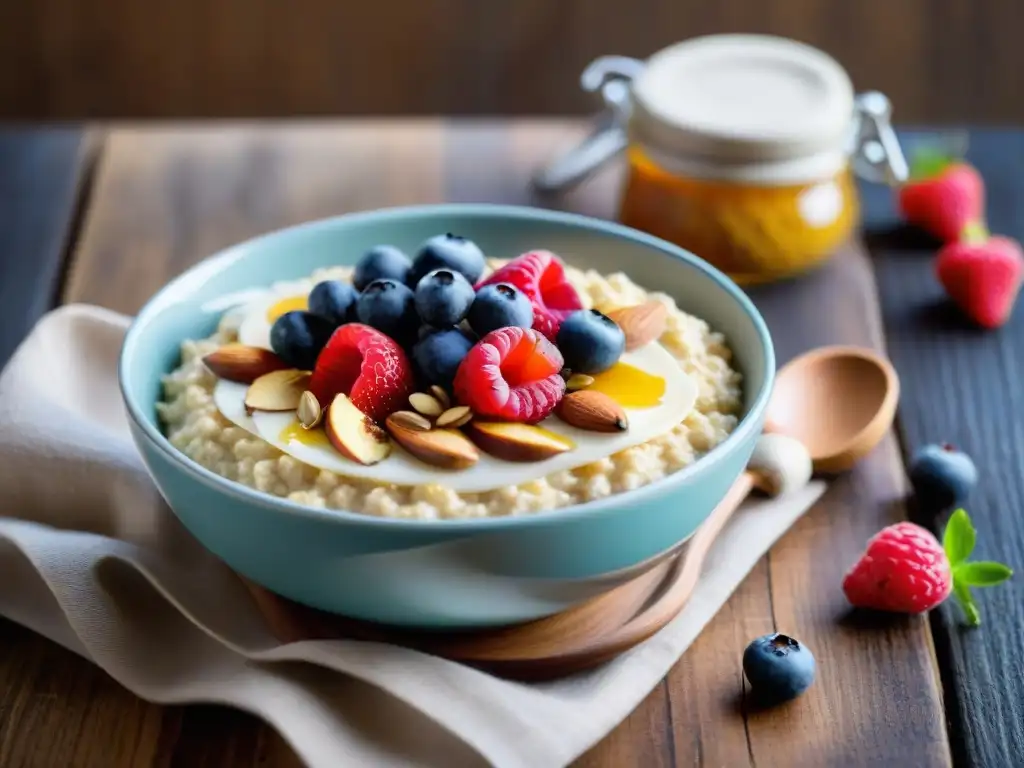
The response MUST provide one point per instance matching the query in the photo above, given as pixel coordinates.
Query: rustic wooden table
(107, 216)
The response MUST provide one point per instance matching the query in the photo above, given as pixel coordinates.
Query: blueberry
(424, 331)
(297, 337)
(390, 307)
(438, 355)
(443, 298)
(382, 262)
(333, 300)
(447, 252)
(778, 667)
(590, 342)
(942, 477)
(500, 305)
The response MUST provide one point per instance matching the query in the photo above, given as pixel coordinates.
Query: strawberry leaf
(958, 538)
(974, 233)
(963, 596)
(928, 162)
(982, 574)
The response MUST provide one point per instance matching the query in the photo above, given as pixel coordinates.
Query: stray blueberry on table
(942, 476)
(778, 667)
(390, 307)
(382, 262)
(447, 251)
(590, 342)
(438, 355)
(297, 338)
(500, 305)
(443, 297)
(333, 300)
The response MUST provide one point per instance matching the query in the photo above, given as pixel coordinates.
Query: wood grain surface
(166, 197)
(963, 386)
(939, 60)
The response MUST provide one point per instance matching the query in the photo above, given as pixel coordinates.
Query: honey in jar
(742, 149)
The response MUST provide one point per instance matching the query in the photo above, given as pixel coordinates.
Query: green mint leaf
(963, 596)
(928, 162)
(982, 574)
(958, 538)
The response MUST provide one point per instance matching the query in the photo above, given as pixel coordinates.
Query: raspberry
(511, 374)
(366, 365)
(540, 275)
(904, 569)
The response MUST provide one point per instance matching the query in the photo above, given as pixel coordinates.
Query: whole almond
(309, 412)
(425, 404)
(641, 324)
(443, 448)
(411, 420)
(592, 410)
(441, 396)
(277, 391)
(241, 363)
(455, 417)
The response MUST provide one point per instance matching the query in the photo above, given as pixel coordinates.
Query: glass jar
(743, 149)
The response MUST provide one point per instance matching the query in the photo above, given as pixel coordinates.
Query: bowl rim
(590, 509)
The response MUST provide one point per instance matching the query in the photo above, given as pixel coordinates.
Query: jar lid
(742, 98)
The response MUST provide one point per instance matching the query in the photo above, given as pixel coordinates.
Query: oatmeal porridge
(195, 424)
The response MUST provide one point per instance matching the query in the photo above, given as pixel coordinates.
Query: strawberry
(982, 275)
(511, 374)
(541, 277)
(905, 570)
(368, 366)
(943, 197)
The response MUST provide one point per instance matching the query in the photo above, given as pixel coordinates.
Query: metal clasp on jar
(610, 77)
(875, 153)
(874, 149)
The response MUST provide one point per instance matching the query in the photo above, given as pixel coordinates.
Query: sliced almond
(241, 363)
(578, 381)
(354, 434)
(411, 420)
(309, 412)
(442, 396)
(592, 410)
(455, 417)
(641, 324)
(444, 448)
(425, 404)
(277, 391)
(513, 441)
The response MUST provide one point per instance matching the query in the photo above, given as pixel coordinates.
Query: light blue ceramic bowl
(462, 573)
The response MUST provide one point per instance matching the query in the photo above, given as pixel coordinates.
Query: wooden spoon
(837, 401)
(829, 408)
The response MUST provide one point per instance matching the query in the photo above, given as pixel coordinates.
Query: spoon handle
(683, 579)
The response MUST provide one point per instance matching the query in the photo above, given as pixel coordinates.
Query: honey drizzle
(295, 433)
(629, 386)
(290, 304)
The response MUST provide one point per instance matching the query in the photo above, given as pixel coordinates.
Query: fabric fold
(91, 558)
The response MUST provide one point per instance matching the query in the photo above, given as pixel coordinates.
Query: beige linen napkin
(91, 558)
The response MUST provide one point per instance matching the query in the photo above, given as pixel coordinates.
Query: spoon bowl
(838, 401)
